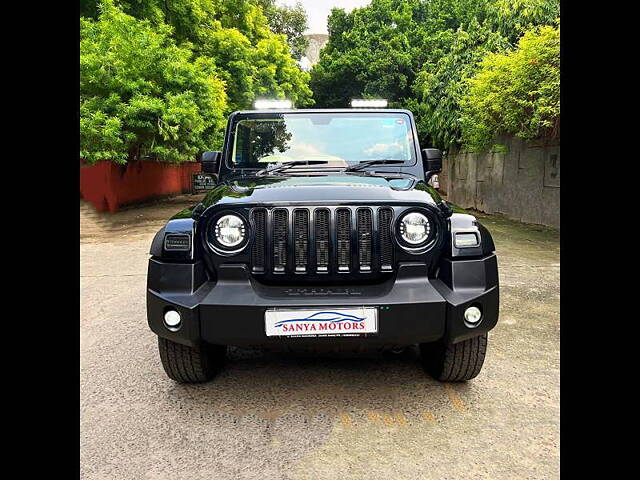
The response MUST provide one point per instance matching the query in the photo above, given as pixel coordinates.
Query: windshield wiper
(361, 165)
(279, 167)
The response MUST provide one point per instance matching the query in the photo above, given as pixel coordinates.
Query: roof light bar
(263, 104)
(369, 103)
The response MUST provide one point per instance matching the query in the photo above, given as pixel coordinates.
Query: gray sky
(318, 11)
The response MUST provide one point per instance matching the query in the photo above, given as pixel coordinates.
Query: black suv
(322, 233)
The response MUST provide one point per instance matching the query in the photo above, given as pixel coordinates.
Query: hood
(338, 188)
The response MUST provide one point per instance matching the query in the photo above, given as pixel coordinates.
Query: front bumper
(412, 308)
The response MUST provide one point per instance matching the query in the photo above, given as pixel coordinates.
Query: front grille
(322, 240)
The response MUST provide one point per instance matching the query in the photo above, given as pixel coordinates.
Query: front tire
(186, 364)
(456, 362)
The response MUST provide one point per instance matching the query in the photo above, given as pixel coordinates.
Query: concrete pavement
(276, 416)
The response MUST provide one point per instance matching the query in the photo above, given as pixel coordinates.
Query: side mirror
(210, 162)
(432, 161)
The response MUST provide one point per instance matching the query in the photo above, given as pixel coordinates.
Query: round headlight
(229, 231)
(414, 228)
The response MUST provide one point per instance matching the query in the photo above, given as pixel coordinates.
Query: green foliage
(440, 84)
(418, 54)
(265, 69)
(252, 58)
(516, 93)
(278, 75)
(158, 77)
(233, 51)
(88, 8)
(140, 94)
(194, 20)
(512, 18)
(289, 21)
(372, 52)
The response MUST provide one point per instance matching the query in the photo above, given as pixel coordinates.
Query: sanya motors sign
(321, 322)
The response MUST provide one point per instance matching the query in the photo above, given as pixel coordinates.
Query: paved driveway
(284, 417)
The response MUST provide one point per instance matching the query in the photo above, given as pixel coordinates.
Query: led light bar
(369, 103)
(264, 104)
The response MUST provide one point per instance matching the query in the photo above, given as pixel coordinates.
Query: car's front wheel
(454, 362)
(186, 364)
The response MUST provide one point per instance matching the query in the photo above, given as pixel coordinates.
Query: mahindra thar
(322, 233)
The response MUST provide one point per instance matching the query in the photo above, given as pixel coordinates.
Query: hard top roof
(324, 110)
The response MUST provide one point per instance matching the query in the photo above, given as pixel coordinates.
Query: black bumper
(412, 308)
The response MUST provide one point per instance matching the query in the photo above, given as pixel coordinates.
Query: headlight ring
(415, 230)
(228, 233)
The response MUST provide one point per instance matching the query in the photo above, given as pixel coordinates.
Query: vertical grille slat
(343, 234)
(322, 240)
(259, 218)
(301, 238)
(280, 237)
(364, 239)
(386, 248)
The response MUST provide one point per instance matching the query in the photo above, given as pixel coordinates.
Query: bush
(516, 93)
(141, 95)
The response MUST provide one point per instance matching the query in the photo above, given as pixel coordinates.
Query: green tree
(517, 93)
(158, 77)
(290, 21)
(372, 51)
(512, 18)
(237, 36)
(440, 84)
(141, 94)
(417, 54)
(263, 69)
(89, 8)
(278, 75)
(234, 52)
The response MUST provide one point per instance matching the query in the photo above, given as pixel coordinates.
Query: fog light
(172, 320)
(472, 315)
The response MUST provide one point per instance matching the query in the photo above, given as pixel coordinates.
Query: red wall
(108, 186)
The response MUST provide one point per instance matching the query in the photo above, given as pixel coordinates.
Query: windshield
(342, 139)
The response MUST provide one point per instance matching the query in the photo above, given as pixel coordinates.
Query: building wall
(522, 183)
(108, 186)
